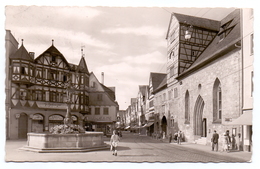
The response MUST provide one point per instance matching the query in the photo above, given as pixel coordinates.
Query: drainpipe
(242, 72)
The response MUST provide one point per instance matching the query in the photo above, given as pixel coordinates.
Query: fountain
(67, 137)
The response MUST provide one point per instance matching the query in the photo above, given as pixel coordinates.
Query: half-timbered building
(38, 91)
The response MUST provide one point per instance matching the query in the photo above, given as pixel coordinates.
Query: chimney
(31, 54)
(102, 77)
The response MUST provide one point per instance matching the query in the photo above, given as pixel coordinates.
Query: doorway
(198, 121)
(204, 127)
(164, 125)
(23, 126)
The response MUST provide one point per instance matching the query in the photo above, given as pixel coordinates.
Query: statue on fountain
(68, 127)
(69, 89)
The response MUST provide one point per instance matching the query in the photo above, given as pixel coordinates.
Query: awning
(244, 119)
(149, 124)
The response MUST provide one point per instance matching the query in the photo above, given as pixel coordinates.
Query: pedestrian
(179, 137)
(114, 142)
(170, 137)
(225, 143)
(229, 140)
(214, 140)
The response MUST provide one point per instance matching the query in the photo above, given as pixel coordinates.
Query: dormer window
(53, 58)
(225, 30)
(93, 85)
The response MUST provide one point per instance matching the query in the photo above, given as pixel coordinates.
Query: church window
(187, 107)
(217, 102)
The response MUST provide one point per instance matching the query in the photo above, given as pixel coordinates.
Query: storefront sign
(48, 105)
(100, 118)
(55, 117)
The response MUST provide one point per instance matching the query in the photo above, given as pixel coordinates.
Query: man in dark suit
(214, 141)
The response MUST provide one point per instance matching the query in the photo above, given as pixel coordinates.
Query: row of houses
(208, 84)
(36, 92)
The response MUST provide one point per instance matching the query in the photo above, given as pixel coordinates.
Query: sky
(126, 43)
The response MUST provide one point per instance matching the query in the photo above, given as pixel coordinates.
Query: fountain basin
(43, 142)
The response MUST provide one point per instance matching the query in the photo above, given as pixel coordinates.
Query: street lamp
(187, 35)
(187, 32)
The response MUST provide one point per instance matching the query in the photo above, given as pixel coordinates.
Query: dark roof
(217, 48)
(133, 100)
(195, 21)
(143, 89)
(162, 85)
(82, 67)
(157, 79)
(22, 53)
(110, 92)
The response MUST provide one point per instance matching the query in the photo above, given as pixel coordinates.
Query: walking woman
(225, 143)
(114, 142)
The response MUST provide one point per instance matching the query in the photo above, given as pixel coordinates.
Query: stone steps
(201, 141)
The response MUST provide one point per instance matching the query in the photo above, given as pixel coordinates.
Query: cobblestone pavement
(132, 148)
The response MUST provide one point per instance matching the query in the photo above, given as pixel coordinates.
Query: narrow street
(132, 148)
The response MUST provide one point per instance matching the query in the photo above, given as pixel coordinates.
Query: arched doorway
(199, 123)
(37, 123)
(164, 125)
(22, 126)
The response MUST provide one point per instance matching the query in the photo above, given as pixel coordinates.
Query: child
(114, 142)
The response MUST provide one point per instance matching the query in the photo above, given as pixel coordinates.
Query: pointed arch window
(217, 102)
(187, 107)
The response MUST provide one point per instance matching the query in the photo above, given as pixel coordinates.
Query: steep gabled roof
(143, 89)
(219, 47)
(162, 85)
(156, 79)
(23, 54)
(110, 92)
(53, 51)
(82, 67)
(195, 21)
(107, 90)
(133, 100)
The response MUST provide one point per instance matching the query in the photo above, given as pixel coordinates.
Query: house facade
(37, 90)
(204, 75)
(103, 108)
